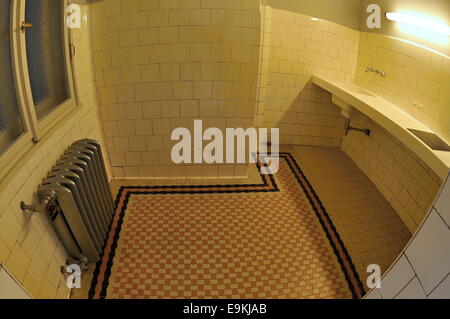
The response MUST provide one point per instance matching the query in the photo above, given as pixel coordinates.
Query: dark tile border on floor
(100, 280)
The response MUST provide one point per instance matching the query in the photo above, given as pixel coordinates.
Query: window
(11, 124)
(36, 78)
(45, 55)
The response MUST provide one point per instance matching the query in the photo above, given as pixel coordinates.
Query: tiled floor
(253, 178)
(236, 241)
(370, 228)
(252, 245)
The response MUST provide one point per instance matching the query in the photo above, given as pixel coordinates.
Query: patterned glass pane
(11, 126)
(45, 55)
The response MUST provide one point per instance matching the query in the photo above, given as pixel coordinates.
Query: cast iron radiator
(78, 200)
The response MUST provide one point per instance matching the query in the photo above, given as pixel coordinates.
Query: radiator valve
(42, 206)
(82, 263)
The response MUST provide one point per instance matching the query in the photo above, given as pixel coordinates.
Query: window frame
(34, 130)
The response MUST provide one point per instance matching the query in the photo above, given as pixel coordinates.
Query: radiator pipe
(349, 128)
(42, 206)
(81, 261)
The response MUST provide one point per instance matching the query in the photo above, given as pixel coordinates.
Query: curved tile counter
(392, 118)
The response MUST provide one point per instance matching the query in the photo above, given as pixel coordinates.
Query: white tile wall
(442, 291)
(294, 48)
(428, 253)
(375, 294)
(161, 65)
(398, 276)
(413, 290)
(412, 74)
(406, 182)
(443, 203)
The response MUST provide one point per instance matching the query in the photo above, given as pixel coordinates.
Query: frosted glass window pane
(11, 126)
(45, 55)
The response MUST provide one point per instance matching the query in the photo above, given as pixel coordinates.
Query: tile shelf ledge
(390, 117)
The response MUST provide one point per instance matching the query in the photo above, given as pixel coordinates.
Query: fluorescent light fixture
(428, 23)
(314, 19)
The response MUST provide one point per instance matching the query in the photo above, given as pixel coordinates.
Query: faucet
(379, 72)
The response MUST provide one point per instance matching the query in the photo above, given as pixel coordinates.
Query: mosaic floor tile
(268, 240)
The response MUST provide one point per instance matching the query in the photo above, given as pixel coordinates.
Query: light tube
(422, 22)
